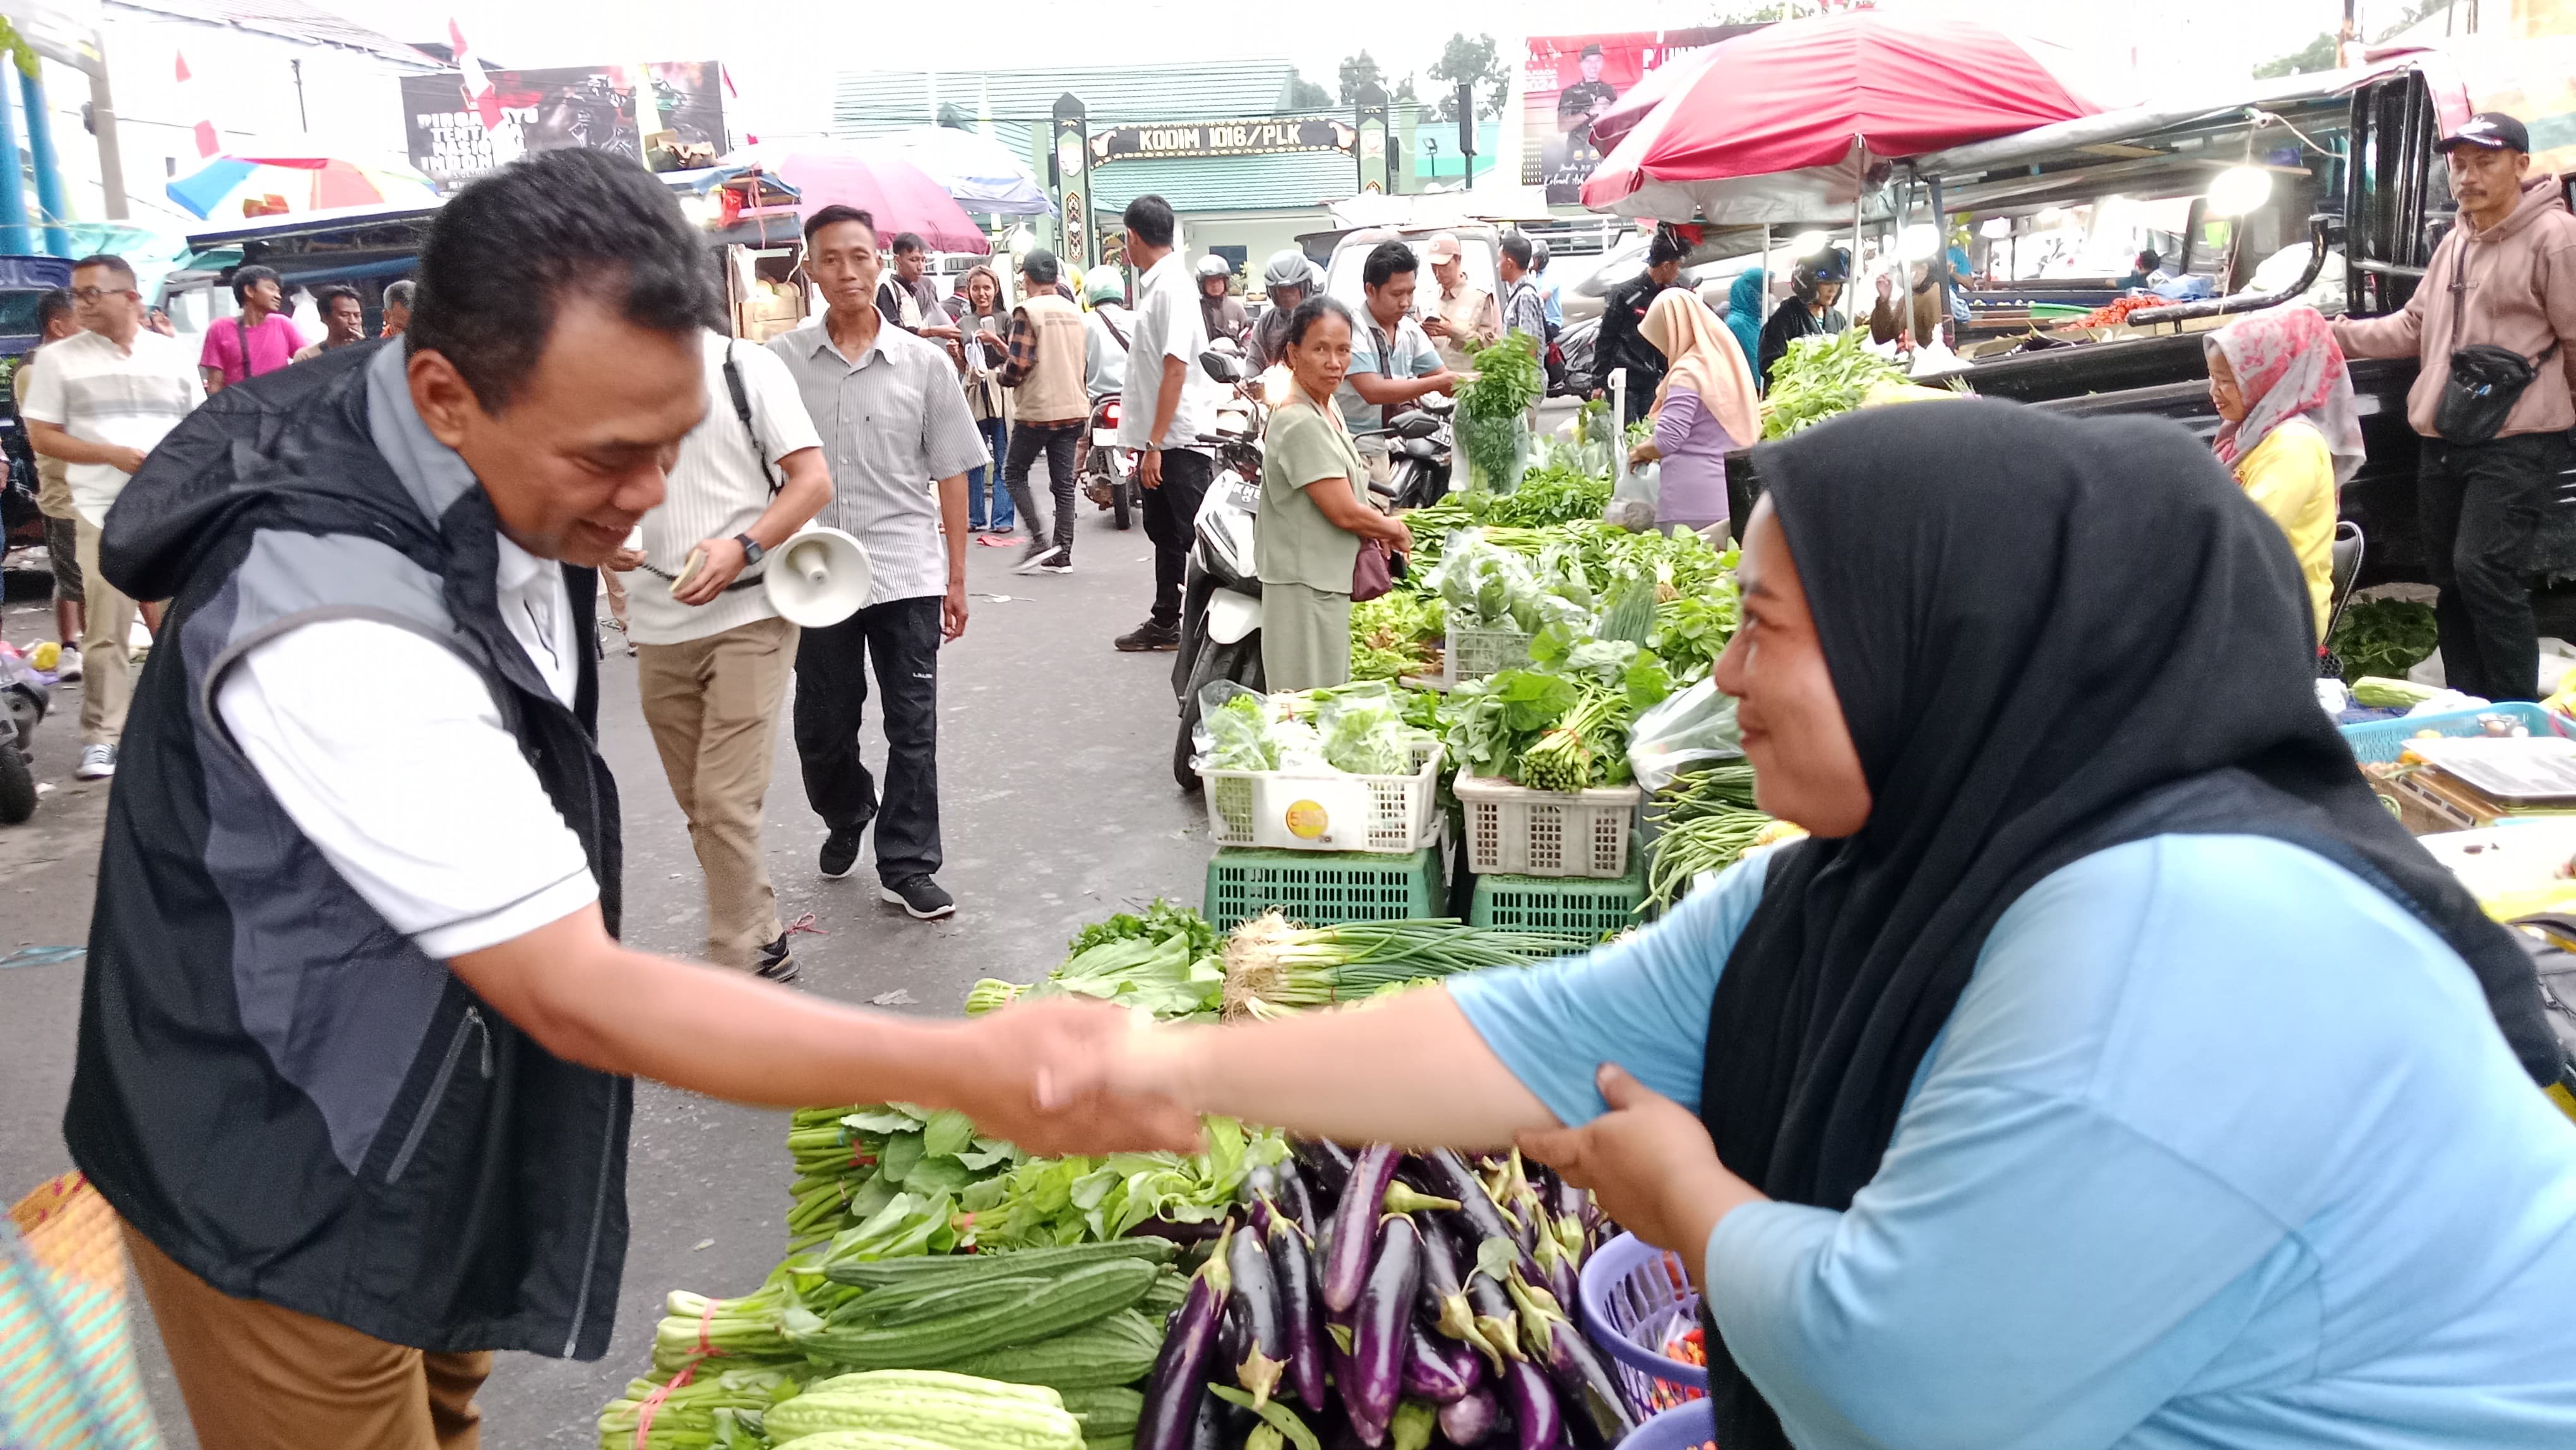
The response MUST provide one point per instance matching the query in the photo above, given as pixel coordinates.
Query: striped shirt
(717, 490)
(125, 397)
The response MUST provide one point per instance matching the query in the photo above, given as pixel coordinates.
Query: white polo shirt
(125, 397)
(1168, 325)
(716, 490)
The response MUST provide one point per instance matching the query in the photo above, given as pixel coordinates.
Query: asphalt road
(1057, 808)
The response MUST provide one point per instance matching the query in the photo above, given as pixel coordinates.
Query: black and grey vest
(274, 1086)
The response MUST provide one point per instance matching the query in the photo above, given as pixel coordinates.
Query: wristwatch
(751, 550)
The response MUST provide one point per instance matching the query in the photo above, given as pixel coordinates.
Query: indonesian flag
(480, 94)
(207, 145)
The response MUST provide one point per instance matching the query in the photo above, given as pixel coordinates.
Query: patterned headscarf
(2287, 366)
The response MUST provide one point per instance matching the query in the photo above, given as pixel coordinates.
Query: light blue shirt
(1408, 354)
(1551, 302)
(2221, 1147)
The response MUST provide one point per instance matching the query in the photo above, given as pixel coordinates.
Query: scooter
(24, 697)
(1108, 471)
(1421, 453)
(1220, 593)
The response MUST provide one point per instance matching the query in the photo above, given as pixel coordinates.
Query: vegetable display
(1821, 378)
(2383, 637)
(1704, 821)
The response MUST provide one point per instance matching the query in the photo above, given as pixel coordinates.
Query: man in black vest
(357, 1033)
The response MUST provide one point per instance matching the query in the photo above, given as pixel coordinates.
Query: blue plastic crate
(2381, 741)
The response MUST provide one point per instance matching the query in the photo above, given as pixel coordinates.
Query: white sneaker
(67, 669)
(97, 762)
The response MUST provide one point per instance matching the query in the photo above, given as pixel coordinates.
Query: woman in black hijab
(2109, 1069)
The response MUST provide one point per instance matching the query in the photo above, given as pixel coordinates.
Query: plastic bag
(72, 1382)
(1688, 728)
(1364, 732)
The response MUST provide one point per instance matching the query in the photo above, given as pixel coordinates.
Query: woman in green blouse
(1313, 514)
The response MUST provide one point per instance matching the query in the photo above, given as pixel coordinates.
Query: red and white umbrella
(1787, 124)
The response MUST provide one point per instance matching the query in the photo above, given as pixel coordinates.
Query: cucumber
(1076, 1298)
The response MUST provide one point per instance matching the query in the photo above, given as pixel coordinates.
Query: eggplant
(1468, 1421)
(1258, 1184)
(1263, 1356)
(1354, 1246)
(1444, 1303)
(1581, 1379)
(1207, 1423)
(1176, 1387)
(1295, 1199)
(1292, 1267)
(1328, 1164)
(1497, 1320)
(1536, 1421)
(1452, 1178)
(1345, 1375)
(1440, 1372)
(1382, 1324)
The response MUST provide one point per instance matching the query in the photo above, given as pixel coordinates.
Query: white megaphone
(818, 577)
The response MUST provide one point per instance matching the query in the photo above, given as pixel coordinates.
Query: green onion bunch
(1271, 963)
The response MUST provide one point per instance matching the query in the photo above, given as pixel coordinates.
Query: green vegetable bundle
(1704, 821)
(853, 1162)
(1393, 634)
(1821, 378)
(1050, 1201)
(1271, 963)
(2385, 637)
(707, 1413)
(1491, 422)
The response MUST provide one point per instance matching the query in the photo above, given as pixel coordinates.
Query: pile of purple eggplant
(1411, 1300)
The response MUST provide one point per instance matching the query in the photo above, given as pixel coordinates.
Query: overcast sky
(784, 58)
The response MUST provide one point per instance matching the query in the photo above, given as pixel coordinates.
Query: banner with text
(1569, 80)
(610, 108)
(1277, 137)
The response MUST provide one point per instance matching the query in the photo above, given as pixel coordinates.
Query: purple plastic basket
(1683, 1427)
(1635, 1298)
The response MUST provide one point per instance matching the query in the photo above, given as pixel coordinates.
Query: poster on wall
(1569, 80)
(610, 108)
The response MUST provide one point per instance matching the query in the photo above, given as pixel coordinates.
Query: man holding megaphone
(713, 648)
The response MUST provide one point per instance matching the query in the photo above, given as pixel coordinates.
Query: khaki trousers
(107, 668)
(258, 1377)
(713, 707)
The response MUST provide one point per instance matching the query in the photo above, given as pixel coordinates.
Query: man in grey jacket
(2505, 276)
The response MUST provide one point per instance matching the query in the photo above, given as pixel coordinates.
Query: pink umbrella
(901, 196)
(1787, 124)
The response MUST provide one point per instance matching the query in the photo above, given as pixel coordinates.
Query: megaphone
(818, 577)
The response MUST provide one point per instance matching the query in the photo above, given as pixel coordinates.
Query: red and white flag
(207, 145)
(480, 94)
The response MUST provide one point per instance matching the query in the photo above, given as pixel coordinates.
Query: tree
(1357, 71)
(1305, 95)
(2316, 55)
(1471, 60)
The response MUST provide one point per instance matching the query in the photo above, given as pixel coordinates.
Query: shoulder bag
(2485, 380)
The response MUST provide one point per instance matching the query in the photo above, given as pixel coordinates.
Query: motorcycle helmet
(1213, 265)
(1829, 265)
(1104, 285)
(1287, 268)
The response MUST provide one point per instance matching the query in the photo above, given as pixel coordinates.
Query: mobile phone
(688, 571)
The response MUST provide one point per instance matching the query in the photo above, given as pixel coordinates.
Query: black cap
(2490, 131)
(1589, 51)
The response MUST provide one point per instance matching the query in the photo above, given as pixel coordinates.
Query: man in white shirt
(1164, 411)
(713, 656)
(355, 1056)
(106, 397)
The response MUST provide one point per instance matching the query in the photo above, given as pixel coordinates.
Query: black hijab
(2049, 636)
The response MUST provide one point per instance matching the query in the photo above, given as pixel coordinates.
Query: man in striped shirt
(712, 656)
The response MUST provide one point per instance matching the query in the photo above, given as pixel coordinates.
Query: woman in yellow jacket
(2290, 430)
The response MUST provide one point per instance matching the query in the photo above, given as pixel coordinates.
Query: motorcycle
(24, 697)
(1422, 446)
(1220, 593)
(1108, 472)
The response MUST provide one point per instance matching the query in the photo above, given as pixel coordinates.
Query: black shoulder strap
(742, 410)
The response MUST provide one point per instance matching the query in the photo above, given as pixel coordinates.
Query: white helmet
(1214, 265)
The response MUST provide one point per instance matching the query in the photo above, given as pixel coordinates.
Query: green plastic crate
(1568, 905)
(1326, 888)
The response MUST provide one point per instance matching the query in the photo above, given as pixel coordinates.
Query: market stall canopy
(979, 172)
(293, 181)
(1796, 122)
(900, 195)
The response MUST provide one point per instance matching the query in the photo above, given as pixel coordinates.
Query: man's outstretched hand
(1049, 1087)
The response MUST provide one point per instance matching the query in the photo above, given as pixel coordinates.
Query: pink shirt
(274, 342)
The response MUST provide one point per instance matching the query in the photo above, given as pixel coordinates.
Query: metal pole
(1941, 251)
(111, 147)
(14, 236)
(49, 172)
(303, 120)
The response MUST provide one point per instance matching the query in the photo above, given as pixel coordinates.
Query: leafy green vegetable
(1494, 719)
(1161, 919)
(1239, 731)
(1392, 634)
(1366, 735)
(1821, 378)
(1509, 381)
(2383, 637)
(1075, 1200)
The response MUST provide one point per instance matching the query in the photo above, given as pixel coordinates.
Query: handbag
(2485, 380)
(1371, 576)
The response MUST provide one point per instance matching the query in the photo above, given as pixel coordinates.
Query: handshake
(1068, 1075)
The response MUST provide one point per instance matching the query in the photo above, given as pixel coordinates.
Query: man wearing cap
(2504, 277)
(1581, 104)
(1466, 318)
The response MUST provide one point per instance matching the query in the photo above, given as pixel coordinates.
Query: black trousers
(1058, 439)
(1171, 514)
(2483, 506)
(901, 639)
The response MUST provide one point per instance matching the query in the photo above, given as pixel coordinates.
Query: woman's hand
(1650, 1163)
(1396, 534)
(1644, 453)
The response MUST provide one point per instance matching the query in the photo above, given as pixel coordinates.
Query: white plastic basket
(1516, 831)
(1472, 654)
(1326, 810)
